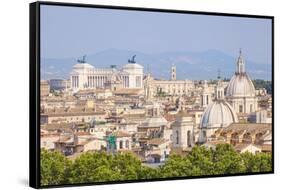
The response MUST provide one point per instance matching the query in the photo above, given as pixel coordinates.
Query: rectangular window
(240, 108)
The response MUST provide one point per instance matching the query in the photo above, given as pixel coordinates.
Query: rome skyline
(178, 98)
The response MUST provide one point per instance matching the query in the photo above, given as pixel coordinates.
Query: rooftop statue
(83, 60)
(132, 60)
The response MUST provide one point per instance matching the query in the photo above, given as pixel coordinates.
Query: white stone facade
(183, 132)
(86, 76)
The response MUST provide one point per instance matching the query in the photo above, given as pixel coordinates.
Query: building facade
(172, 87)
(183, 131)
(44, 88)
(58, 84)
(86, 76)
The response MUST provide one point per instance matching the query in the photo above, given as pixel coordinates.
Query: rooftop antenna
(219, 74)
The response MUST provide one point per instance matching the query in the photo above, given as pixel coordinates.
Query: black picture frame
(34, 90)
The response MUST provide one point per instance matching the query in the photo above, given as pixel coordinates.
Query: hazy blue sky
(72, 32)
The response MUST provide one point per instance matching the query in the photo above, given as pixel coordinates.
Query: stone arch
(258, 138)
(234, 138)
(127, 144)
(247, 138)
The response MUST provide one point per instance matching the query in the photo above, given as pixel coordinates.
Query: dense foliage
(258, 83)
(99, 167)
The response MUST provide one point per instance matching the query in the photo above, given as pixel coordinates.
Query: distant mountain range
(190, 65)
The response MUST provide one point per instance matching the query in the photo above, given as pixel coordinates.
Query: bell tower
(206, 95)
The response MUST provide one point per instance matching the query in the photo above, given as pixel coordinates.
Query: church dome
(240, 84)
(218, 114)
(155, 121)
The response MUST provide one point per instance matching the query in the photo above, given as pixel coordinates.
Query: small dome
(155, 121)
(240, 85)
(218, 114)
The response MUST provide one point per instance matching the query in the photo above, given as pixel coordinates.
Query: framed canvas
(126, 94)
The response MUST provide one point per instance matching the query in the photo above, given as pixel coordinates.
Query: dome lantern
(240, 84)
(219, 89)
(240, 64)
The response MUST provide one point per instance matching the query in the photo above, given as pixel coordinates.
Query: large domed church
(218, 114)
(240, 92)
(223, 111)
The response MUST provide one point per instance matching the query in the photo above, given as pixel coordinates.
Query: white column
(127, 82)
(96, 81)
(89, 85)
(102, 81)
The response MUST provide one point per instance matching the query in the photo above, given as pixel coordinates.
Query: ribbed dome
(240, 85)
(218, 114)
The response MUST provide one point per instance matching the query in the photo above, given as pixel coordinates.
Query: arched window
(234, 138)
(240, 108)
(204, 135)
(247, 138)
(121, 145)
(177, 137)
(251, 107)
(188, 139)
(127, 144)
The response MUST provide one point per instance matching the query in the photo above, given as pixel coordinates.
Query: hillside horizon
(202, 65)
